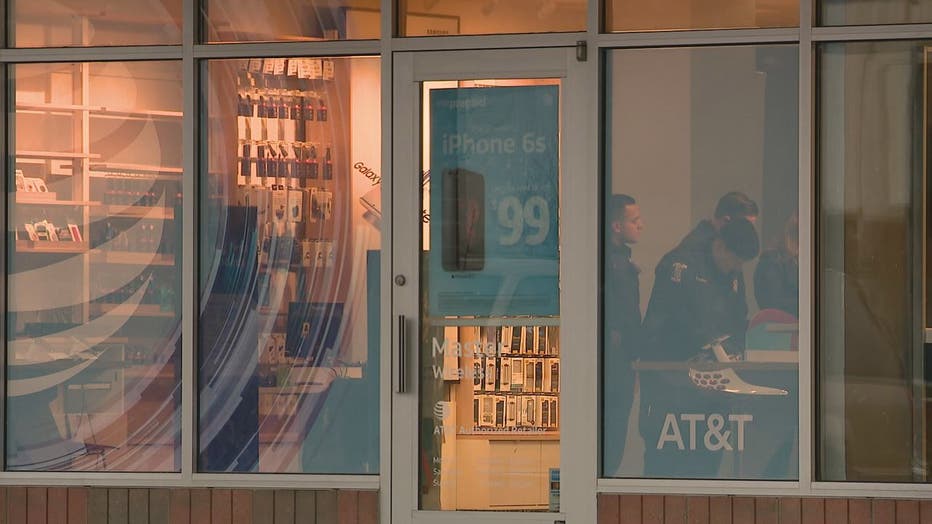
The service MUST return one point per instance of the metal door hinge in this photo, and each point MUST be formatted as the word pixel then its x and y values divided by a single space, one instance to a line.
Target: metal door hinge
pixel 582 51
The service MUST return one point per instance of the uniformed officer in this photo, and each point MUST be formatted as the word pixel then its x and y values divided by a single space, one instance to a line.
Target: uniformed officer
pixel 697 298
pixel 622 325
pixel 698 243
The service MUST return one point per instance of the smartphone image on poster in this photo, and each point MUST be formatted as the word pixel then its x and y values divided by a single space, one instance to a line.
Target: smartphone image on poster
pixel 463 227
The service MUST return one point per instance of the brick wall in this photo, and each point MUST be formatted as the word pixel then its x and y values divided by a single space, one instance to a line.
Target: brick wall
pixel 659 509
pixel 41 505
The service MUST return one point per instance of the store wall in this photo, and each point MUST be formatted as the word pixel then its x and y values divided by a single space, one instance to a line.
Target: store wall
pixel 657 509
pixel 41 505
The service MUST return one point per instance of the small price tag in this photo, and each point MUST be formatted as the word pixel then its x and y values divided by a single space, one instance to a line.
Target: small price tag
pixel 278 66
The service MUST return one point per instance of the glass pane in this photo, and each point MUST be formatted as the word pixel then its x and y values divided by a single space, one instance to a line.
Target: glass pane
pixel 636 15
pixel 489 423
pixel 79 23
pixel 94 318
pixel 702 178
pixel 866 12
pixel 289 20
pixel 289 244
pixel 489 17
pixel 873 375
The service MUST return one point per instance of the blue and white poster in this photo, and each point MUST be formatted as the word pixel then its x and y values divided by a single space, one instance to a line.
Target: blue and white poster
pixel 494 161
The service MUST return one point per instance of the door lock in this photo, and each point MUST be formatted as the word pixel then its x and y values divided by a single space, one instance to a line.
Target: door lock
pixel 400 280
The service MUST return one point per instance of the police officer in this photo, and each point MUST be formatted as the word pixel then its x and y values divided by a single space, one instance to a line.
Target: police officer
pixel 697 298
pixel 698 243
pixel 622 325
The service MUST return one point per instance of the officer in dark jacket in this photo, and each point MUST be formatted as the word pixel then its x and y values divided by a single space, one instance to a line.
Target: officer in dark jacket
pixel 697 298
pixel 730 206
pixel 622 325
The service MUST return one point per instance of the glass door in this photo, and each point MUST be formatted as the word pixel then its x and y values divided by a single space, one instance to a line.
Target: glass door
pixel 478 383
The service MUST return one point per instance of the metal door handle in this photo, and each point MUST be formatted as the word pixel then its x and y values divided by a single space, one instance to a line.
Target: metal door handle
pixel 401 385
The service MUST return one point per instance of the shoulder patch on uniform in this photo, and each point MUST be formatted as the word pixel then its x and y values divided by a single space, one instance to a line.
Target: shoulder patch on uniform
pixel 678 269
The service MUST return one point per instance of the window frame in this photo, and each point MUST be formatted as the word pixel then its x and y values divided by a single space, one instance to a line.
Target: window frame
pixel 595 44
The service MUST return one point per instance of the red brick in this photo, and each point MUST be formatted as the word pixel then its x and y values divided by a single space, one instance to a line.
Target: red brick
pixel 629 509
pixel 200 506
pixel 720 510
pixel 37 504
pixel 836 511
pixel 765 510
pixel 369 507
pixel 221 506
pixel 674 509
pixel 813 511
pixel 859 511
pixel 241 505
pixel 883 511
pixel 907 512
pixel 790 510
pixel 652 509
pixel 180 506
pixel 58 506
pixel 742 510
pixel 697 510
pixel 16 506
pixel 77 505
pixel 608 509
pixel 925 512
pixel 347 504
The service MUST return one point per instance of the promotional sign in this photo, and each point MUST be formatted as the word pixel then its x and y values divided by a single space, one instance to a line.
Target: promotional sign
pixel 494 159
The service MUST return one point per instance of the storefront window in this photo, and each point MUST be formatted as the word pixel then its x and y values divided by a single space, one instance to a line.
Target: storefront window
pixel 700 279
pixel 73 23
pixel 489 17
pixel 289 20
pixel 846 12
pixel 94 261
pixel 635 15
pixel 873 372
pixel 289 272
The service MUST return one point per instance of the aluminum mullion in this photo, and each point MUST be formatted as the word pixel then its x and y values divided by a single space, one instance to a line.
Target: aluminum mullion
pixel 700 487
pixel 153 480
pixel 189 289
pixel 286 49
pixel 6 101
pixel 386 305
pixel 579 304
pixel 697 38
pixel 453 43
pixel 872 32
pixel 805 209
pixel 92 54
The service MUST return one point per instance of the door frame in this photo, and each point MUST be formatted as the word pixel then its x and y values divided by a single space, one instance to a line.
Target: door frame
pixel 579 235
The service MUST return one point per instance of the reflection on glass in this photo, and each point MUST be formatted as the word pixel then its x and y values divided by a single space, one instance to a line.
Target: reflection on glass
pixel 288 20
pixel 288 342
pixel 94 328
pixel 635 15
pixel 489 17
pixel 873 377
pixel 845 12
pixel 490 348
pixel 76 23
pixel 700 342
